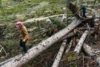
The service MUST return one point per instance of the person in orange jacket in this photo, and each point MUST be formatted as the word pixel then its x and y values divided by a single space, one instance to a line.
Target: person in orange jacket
pixel 24 36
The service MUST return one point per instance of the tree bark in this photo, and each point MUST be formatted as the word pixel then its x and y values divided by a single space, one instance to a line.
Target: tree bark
pixel 59 55
pixel 42 18
pixel 33 52
pixel 98 60
pixel 81 41
pixel 69 35
pixel 69 46
pixel 89 51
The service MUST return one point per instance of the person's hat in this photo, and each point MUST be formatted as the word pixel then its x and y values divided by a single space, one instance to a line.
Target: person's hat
pixel 18 24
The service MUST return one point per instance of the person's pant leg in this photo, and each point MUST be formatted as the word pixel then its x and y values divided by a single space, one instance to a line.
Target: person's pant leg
pixel 20 42
pixel 84 15
pixel 23 45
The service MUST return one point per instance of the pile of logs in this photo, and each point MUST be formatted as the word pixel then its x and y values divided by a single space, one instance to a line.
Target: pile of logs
pixel 75 28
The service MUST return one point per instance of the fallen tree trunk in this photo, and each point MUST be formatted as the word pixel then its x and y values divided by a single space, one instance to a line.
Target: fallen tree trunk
pixel 98 61
pixel 4 62
pixel 42 18
pixel 59 55
pixel 67 36
pixel 81 41
pixel 89 51
pixel 33 52
pixel 69 46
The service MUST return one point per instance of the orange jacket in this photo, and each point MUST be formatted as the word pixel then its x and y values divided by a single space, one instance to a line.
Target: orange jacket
pixel 24 33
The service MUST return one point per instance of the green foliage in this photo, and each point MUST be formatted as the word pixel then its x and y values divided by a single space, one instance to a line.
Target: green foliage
pixel 72 57
pixel 9 12
pixel 58 23
pixel 35 24
pixel 10 44
pixel 30 24
pixel 16 9
pixel 51 9
pixel 12 47
pixel 11 9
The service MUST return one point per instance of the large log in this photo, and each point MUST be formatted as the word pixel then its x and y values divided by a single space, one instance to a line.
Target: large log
pixel 33 52
pixel 42 18
pixel 81 41
pixel 59 55
pixel 89 51
pixel 69 35
pixel 98 60
pixel 66 36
